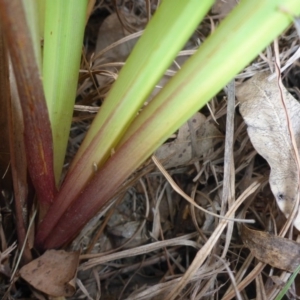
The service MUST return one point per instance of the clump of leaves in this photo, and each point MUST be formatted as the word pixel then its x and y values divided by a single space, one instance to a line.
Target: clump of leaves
pixel 120 139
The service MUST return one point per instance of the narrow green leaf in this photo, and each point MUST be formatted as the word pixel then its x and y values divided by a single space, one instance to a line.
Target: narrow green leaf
pixel 63 40
pixel 244 33
pixel 288 284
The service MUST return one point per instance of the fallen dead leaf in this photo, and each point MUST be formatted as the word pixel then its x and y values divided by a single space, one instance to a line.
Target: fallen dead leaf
pixel 53 273
pixel 223 7
pixel 273 250
pixel 268 128
pixel 180 151
pixel 110 32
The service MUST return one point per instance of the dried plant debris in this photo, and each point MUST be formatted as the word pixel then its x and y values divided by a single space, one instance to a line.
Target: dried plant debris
pixel 223 7
pixel 125 228
pixel 194 139
pixel 262 108
pixel 110 32
pixel 53 273
pixel 113 30
pixel 4 256
pixel 276 251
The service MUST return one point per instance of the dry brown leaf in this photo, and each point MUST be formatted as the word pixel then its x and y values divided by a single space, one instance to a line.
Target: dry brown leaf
pixel 223 7
pixel 179 152
pixel 111 31
pixel 262 109
pixel 276 251
pixel 53 273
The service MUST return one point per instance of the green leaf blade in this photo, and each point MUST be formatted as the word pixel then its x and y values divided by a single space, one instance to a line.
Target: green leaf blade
pixel 288 284
pixel 64 29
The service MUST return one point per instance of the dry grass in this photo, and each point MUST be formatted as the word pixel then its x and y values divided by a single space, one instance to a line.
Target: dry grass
pixel 152 242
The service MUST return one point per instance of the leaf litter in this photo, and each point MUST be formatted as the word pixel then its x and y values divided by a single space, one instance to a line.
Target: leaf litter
pixel 180 151
pixel 152 243
pixel 262 109
pixel 53 273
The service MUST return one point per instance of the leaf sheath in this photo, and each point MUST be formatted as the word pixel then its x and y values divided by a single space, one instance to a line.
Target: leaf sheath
pixel 37 132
